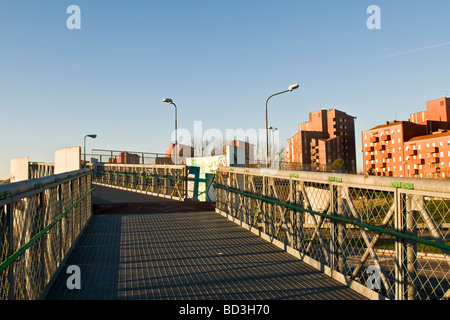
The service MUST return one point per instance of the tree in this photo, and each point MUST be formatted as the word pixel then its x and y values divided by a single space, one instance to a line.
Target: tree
pixel 370 172
pixel 338 165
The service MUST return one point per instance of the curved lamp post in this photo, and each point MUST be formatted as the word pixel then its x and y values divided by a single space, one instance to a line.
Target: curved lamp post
pixel 291 87
pixel 169 101
pixel 93 136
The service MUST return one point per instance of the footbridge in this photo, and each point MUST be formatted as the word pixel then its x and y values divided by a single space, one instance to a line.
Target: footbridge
pixel 115 231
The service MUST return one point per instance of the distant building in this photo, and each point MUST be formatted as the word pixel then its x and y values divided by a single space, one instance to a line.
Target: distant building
pixel 239 152
pixel 326 137
pixel 128 158
pixel 184 151
pixel 417 148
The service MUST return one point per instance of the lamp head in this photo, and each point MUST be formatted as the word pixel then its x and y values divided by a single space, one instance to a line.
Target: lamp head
pixel 293 86
pixel 168 100
pixel 92 136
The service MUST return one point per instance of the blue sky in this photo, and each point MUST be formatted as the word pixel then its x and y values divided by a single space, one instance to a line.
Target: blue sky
pixel 219 61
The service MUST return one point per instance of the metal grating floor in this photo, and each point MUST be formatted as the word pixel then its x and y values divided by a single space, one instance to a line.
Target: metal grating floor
pixel 187 256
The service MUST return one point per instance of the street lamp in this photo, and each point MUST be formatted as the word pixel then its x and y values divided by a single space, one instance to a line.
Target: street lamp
pixel 169 101
pixel 93 136
pixel 291 88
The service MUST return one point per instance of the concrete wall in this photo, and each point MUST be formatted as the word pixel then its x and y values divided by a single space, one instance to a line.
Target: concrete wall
pixel 18 169
pixel 67 159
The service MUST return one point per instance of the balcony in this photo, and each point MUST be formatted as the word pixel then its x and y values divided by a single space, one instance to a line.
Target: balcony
pixel 419 161
pixel 374 139
pixel 414 171
pixel 385 137
pixel 411 153
pixel 370 157
pixel 380 165
pixel 433 160
pixel 369 149
pixel 380 147
pixel 433 149
pixel 386 155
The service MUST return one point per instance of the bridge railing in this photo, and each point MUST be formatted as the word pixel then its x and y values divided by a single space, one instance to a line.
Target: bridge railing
pixel 40 169
pixel 40 219
pixel 169 181
pixel 387 238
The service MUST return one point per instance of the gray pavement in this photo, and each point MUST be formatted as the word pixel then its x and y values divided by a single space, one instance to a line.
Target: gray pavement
pixel 186 256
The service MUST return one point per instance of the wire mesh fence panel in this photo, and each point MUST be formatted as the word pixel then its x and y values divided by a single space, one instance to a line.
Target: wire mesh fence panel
pixel 37 228
pixel 426 268
pixel 392 241
pixel 161 180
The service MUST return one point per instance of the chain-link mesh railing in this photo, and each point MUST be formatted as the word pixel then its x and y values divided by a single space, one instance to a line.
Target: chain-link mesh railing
pixel 39 221
pixel 169 181
pixel 387 237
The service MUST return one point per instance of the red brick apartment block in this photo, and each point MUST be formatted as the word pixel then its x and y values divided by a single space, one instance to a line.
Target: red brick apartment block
pixel 418 148
pixel 128 158
pixel 327 136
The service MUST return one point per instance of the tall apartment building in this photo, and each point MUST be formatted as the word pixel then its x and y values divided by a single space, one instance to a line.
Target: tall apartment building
pixel 418 148
pixel 326 137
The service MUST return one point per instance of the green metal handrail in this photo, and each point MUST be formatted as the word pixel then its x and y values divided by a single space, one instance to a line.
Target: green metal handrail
pixel 394 233
pixel 20 251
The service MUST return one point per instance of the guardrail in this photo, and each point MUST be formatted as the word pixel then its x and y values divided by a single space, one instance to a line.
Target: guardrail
pixel 387 238
pixel 40 169
pixel 168 181
pixel 40 219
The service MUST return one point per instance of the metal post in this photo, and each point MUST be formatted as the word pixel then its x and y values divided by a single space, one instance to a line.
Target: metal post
pixel 176 135
pixel 11 276
pixel 43 239
pixel 411 249
pixel 399 248
pixel 267 126
pixel 341 231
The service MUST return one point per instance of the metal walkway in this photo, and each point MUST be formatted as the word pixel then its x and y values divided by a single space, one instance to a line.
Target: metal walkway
pixel 166 250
